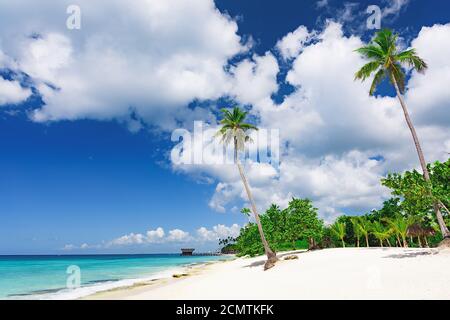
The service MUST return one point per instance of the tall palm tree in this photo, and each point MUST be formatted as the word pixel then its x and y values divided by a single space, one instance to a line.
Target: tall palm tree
pixel 235 130
pixel 338 229
pixel 356 229
pixel 386 62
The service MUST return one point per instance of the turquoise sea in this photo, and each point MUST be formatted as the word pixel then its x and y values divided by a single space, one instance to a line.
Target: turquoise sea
pixel 46 277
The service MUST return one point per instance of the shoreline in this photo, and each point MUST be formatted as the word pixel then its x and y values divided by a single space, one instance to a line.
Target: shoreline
pixel 339 273
pixel 142 285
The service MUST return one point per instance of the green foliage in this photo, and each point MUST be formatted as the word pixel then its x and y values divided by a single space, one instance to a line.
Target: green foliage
pixel 338 229
pixel 288 229
pixel 417 194
pixel 298 224
pixel 385 61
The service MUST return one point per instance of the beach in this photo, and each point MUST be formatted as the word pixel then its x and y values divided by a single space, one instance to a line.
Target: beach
pixel 340 273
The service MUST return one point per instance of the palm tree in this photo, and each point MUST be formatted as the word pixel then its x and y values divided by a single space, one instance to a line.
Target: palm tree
pixel 386 62
pixel 356 229
pixel 235 130
pixel 400 226
pixel 338 229
pixel 381 232
pixel 364 227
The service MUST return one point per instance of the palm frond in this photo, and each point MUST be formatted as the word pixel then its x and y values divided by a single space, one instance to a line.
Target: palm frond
pixel 367 70
pixel 371 52
pixel 411 58
pixel 379 76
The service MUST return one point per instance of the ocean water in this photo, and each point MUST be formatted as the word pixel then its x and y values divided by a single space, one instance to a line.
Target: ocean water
pixel 46 277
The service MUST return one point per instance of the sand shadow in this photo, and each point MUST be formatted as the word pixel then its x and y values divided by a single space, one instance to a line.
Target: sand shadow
pixel 410 254
pixel 279 256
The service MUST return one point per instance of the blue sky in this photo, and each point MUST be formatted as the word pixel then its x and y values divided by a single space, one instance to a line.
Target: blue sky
pixel 70 177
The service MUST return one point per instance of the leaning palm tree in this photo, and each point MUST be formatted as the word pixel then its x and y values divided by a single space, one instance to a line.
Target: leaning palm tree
pixel 386 62
pixel 235 130
pixel 338 228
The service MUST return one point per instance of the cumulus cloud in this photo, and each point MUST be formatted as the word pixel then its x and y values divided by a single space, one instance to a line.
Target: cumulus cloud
pixel 11 92
pixel 219 231
pixel 178 235
pixel 159 237
pixel 158 60
pixel 337 140
pixel 155 235
pixel 291 44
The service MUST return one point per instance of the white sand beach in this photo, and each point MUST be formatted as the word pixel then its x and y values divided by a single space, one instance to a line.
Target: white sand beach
pixel 343 273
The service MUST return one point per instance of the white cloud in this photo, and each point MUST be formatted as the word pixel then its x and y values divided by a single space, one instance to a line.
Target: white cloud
pixel 151 63
pixel 11 92
pixel 159 237
pixel 321 3
pixel 394 7
pixel 155 235
pixel 292 44
pixel 255 80
pixel 219 231
pixel 177 235
pixel 428 95
pixel 129 239
pixel 69 247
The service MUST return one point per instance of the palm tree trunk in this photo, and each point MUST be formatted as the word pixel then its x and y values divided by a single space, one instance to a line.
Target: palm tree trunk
pixel 426 241
pixel 367 241
pixel 420 242
pixel 405 243
pixel 388 242
pixel 423 164
pixel 343 243
pixel 271 256
pixel 357 242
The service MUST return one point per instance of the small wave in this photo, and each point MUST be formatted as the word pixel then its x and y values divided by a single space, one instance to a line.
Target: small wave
pixel 95 286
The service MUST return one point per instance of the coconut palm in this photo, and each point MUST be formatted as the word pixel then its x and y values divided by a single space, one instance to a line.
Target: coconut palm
pixel 338 228
pixel 235 130
pixel 364 227
pixel 386 61
pixel 356 229
pixel 400 226
pixel 381 232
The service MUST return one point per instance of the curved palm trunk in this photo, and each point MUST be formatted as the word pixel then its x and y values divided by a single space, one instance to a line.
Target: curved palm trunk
pixel 423 164
pixel 367 241
pixel 271 256
pixel 343 243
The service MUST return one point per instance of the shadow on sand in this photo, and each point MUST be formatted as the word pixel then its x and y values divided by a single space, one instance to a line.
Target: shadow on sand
pixel 411 254
pixel 279 256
